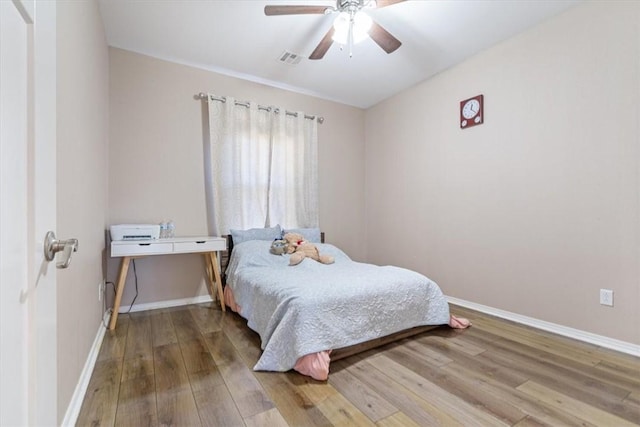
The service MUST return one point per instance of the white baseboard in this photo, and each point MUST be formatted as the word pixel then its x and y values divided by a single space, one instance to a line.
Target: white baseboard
pixel 165 304
pixel 73 410
pixel 599 340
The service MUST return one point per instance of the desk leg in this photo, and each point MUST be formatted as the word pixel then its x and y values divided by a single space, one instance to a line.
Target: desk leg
pixel 122 278
pixel 210 277
pixel 212 262
pixel 216 272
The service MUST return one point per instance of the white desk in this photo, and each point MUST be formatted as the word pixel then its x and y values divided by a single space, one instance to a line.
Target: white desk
pixel 129 249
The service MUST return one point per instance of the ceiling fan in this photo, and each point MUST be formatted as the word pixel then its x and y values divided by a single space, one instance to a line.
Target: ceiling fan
pixel 350 26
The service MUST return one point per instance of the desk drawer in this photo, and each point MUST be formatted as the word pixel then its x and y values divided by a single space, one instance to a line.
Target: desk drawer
pixel 200 246
pixel 140 248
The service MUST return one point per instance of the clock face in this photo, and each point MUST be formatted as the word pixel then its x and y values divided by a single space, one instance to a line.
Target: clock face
pixel 471 109
pixel 472 112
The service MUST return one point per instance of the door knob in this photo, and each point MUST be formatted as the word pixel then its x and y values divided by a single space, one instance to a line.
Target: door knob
pixel 52 246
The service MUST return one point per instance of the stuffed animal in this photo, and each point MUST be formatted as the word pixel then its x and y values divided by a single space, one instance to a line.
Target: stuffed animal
pixel 279 247
pixel 301 249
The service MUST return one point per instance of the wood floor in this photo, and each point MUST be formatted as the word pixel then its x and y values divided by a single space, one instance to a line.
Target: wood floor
pixel 191 366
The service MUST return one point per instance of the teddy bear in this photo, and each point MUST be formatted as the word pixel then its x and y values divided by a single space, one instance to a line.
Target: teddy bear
pixel 301 249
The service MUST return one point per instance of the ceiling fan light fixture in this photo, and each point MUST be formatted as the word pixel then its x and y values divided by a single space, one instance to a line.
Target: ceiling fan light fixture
pixel 359 26
pixel 350 25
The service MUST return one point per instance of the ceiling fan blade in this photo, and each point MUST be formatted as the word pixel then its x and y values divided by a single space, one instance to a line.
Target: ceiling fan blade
pixel 294 10
pixel 383 38
pixel 323 46
pixel 385 3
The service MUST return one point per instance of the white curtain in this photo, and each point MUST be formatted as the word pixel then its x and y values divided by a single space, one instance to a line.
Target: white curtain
pixel 261 167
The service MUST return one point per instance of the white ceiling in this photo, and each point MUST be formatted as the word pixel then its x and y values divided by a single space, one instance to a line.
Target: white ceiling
pixel 234 37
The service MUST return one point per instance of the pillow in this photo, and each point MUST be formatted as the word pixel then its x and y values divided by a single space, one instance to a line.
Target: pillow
pixel 311 235
pixel 269 234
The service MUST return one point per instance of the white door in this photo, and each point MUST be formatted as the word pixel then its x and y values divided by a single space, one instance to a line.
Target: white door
pixel 28 380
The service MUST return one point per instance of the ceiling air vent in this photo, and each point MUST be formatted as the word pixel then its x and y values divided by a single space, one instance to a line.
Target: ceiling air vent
pixel 289 58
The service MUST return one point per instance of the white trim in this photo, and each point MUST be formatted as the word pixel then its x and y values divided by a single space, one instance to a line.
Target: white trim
pixel 165 304
pixel 73 410
pixel 600 340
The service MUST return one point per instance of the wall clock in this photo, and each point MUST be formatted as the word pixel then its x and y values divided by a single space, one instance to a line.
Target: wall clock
pixel 472 112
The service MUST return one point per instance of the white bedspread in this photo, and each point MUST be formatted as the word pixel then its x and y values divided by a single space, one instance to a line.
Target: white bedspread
pixel 311 307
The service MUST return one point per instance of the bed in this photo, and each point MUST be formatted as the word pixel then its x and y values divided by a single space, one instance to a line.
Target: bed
pixel 311 313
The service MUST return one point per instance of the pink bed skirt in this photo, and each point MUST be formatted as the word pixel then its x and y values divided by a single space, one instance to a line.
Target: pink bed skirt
pixel 316 365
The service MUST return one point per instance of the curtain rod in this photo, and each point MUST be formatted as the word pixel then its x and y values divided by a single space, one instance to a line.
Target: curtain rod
pixel 204 96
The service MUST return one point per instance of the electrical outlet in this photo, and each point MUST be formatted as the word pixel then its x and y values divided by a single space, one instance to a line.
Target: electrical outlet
pixel 101 287
pixel 606 297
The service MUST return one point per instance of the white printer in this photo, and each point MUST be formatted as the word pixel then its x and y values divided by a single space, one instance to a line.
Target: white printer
pixel 135 232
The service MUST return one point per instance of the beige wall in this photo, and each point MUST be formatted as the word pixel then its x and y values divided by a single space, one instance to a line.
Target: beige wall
pixel 82 129
pixel 537 209
pixel 156 164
